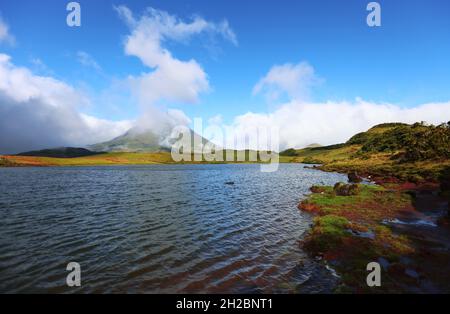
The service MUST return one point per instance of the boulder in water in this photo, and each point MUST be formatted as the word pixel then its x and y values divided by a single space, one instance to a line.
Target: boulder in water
pixel 353 177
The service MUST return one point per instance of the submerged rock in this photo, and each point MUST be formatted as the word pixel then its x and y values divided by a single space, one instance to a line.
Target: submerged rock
pixel 311 167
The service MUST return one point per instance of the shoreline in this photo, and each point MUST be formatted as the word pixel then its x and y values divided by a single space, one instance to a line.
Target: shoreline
pixel 387 222
pixel 403 226
pixel 113 159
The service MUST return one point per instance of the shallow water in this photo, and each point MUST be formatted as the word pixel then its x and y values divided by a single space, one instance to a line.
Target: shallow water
pixel 158 229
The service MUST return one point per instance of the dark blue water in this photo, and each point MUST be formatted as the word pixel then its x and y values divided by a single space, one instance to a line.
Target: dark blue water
pixel 158 229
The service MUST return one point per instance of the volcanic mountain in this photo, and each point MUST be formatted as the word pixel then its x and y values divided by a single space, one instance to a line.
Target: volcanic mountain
pixel 136 140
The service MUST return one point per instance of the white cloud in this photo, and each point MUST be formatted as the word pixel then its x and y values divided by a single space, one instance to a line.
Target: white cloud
pixel 161 122
pixel 171 79
pixel 102 129
pixel 39 112
pixel 87 60
pixel 303 123
pixel 176 81
pixel 294 80
pixel 5 35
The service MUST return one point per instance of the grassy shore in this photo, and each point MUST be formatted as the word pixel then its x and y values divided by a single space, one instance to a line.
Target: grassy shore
pixel 109 159
pixel 348 232
pixel 353 223
pixel 95 160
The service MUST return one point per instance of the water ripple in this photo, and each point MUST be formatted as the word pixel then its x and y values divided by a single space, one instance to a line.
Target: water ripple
pixel 157 229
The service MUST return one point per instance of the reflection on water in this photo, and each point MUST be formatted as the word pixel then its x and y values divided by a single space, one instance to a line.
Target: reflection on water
pixel 158 229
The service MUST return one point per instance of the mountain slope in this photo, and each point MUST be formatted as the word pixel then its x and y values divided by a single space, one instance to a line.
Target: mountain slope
pixel 131 141
pixel 135 140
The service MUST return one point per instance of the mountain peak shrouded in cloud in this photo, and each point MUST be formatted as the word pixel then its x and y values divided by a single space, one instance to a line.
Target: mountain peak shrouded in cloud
pixel 168 79
pixel 40 111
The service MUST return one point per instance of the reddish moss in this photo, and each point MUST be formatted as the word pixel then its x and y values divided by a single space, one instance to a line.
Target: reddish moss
pixel 348 232
pixel 308 207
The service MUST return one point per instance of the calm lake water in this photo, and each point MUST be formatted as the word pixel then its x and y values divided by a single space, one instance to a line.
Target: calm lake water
pixel 158 229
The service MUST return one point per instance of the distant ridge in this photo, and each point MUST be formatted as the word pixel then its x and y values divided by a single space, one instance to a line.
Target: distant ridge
pixel 313 145
pixel 60 152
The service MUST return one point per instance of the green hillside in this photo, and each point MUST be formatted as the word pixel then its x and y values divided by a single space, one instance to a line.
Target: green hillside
pixel 61 152
pixel 409 152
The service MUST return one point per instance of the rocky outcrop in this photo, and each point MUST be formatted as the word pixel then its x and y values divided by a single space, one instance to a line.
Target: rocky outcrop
pixel 317 189
pixel 353 177
pixel 342 189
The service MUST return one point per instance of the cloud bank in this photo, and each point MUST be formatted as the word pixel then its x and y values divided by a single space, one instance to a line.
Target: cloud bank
pixel 39 112
pixel 170 79
pixel 301 124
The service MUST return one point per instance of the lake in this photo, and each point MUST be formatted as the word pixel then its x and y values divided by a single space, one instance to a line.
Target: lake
pixel 158 229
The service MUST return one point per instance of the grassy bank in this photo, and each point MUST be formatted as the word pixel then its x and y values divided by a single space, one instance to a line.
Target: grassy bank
pixel 351 222
pixel 387 152
pixel 348 232
pixel 101 159
pixel 110 159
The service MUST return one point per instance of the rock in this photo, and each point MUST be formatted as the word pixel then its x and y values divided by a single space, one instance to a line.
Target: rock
pixel 317 189
pixel 354 178
pixel 342 189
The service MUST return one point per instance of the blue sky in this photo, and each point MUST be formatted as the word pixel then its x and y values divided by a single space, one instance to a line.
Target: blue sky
pixel 404 62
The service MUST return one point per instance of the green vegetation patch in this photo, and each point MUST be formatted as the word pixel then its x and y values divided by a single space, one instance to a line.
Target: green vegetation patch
pixel 348 232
